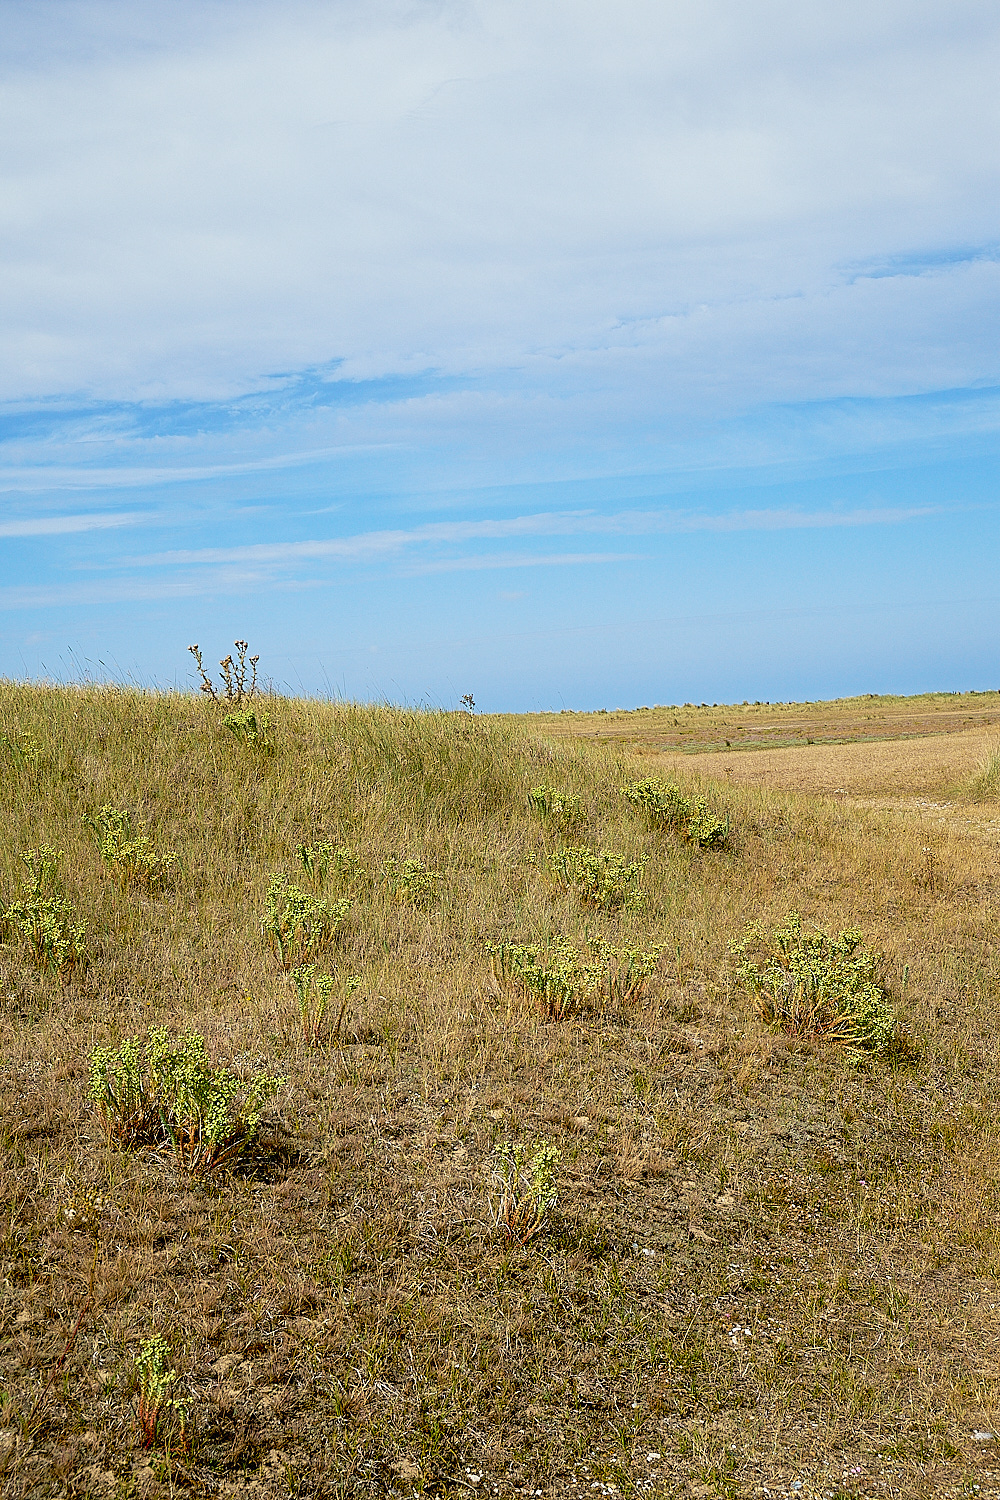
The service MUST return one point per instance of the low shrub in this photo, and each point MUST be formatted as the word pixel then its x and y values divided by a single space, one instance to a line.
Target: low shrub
pixel 314 992
pixel 42 865
pixel 557 810
pixel 624 971
pixel 43 918
pixel 410 880
pixel 250 728
pixel 159 1409
pixel 321 861
pixel 553 974
pixel 667 807
pixel 130 856
pixel 299 925
pixel 564 981
pixel 165 1094
pixel 816 985
pixel 124 1091
pixel 599 878
pixel 22 750
pixel 525 1189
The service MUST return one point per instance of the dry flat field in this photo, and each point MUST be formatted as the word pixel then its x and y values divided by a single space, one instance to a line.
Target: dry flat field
pixel 771 1265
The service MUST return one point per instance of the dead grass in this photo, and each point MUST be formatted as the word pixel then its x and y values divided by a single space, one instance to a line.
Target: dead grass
pixel 888 768
pixel 769 1267
pixel 694 728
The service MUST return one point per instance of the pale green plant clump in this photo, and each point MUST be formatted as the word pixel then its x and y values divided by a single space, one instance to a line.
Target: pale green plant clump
pixel 564 981
pixel 299 925
pixel 321 861
pixel 624 971
pixel 410 880
pixel 165 1093
pixel 250 728
pixel 121 1086
pixel 600 878
pixel 526 1190
pixel 158 1407
pixel 557 809
pixel 132 857
pixel 43 918
pixel 553 974
pixel 42 865
pixel 314 992
pixel 22 750
pixel 667 807
pixel 814 984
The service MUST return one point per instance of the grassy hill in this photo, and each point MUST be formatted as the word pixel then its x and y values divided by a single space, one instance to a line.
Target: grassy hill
pixel 771 1255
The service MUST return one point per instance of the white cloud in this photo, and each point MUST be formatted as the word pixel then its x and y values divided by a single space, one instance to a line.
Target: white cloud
pixel 68 525
pixel 377 544
pixel 662 199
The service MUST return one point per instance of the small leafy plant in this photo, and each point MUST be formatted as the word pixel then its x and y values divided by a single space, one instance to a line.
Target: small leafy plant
pixel 554 974
pixel 812 984
pixel 299 925
pixel 44 919
pixel 158 1407
pixel 566 982
pixel 250 728
pixel 166 1094
pixel 22 750
pixel 525 1189
pixel 42 865
pixel 121 1086
pixel 624 971
pixel 235 689
pixel 410 880
pixel 557 809
pixel 132 857
pixel 599 878
pixel 314 992
pixel 667 807
pixel 321 861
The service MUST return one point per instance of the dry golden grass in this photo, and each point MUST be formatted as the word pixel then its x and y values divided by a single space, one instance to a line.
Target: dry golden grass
pixel 753 726
pixel 903 768
pixel 770 1268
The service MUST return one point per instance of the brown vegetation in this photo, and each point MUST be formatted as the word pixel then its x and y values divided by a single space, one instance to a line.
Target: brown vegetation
pixel 771 1263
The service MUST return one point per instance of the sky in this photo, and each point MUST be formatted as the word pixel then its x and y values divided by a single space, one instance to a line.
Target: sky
pixel 568 354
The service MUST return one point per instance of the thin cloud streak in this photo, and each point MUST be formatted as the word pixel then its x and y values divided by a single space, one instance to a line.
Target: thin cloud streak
pixel 498 560
pixel 68 525
pixel 136 591
pixel 31 479
pixel 371 544
pixel 237 581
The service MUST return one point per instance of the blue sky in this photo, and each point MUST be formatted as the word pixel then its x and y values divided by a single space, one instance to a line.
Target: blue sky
pixel 568 354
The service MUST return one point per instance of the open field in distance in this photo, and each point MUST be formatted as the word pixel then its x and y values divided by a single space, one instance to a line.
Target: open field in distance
pixel 696 728
pixel 771 1268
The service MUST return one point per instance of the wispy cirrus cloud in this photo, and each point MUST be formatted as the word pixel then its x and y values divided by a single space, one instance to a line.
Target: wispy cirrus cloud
pixel 43 477
pixel 71 525
pixel 368 545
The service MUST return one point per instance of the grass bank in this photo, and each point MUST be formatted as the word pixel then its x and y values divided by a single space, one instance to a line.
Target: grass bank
pixel 771 1262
